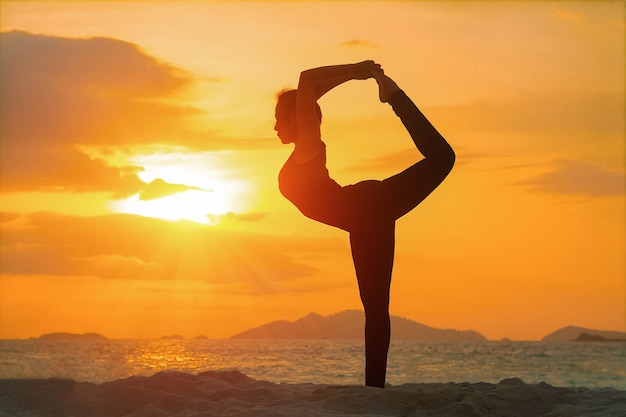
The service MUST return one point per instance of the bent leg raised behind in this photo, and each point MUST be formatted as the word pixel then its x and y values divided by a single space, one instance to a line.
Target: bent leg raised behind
pixel 407 189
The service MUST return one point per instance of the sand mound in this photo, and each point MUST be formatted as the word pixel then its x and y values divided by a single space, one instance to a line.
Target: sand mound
pixel 235 394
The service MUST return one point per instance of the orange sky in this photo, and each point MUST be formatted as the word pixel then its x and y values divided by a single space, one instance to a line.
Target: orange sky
pixel 116 116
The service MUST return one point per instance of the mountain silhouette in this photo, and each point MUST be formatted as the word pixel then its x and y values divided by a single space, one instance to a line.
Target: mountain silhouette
pixel 570 333
pixel 349 324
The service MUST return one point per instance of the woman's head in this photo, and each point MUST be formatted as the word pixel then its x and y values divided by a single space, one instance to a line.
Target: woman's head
pixel 285 114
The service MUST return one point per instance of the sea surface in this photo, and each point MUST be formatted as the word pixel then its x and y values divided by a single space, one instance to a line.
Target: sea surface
pixel 573 364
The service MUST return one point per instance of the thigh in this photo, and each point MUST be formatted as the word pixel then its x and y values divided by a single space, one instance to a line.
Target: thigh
pixel 404 191
pixel 366 205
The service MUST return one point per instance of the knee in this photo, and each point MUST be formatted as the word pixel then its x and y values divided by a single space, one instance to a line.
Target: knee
pixel 378 311
pixel 446 161
pixel 375 300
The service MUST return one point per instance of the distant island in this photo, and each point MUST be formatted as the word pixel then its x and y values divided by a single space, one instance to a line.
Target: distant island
pixel 586 337
pixel 72 336
pixel 581 334
pixel 172 337
pixel 349 325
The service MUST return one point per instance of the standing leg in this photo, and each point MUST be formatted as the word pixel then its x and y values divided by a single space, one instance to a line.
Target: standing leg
pixel 372 253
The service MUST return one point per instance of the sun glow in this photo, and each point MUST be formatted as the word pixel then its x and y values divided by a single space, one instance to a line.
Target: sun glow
pixel 185 186
pixel 198 206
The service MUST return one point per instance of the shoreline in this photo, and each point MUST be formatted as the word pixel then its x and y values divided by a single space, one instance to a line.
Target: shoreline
pixel 232 393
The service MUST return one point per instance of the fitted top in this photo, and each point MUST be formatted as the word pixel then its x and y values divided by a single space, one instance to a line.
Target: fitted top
pixel 309 187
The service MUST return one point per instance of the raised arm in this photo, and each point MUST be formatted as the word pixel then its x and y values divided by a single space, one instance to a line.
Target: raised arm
pixel 313 84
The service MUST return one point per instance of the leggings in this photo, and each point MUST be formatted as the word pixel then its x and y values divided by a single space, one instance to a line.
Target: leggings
pixel 374 208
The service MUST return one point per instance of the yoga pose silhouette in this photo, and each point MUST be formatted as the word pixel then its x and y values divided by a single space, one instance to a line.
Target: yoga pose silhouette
pixel 367 210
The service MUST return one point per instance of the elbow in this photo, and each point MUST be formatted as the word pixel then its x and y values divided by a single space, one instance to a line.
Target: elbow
pixel 306 78
pixel 309 80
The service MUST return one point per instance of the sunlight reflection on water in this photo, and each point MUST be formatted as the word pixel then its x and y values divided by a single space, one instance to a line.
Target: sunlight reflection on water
pixel 320 361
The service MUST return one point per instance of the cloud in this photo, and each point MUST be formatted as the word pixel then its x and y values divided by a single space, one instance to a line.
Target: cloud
pixel 558 114
pixel 569 15
pixel 59 94
pixel 359 43
pixel 132 247
pixel 159 188
pixel 574 177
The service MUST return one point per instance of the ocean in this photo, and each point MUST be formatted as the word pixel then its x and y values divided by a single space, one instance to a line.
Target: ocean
pixel 572 364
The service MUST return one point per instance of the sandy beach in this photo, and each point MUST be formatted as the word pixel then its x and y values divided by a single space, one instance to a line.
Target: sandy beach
pixel 231 393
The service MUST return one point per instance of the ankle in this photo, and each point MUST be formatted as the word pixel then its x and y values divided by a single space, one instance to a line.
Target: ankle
pixel 386 87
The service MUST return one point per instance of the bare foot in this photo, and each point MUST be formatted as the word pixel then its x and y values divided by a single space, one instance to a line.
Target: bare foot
pixel 386 86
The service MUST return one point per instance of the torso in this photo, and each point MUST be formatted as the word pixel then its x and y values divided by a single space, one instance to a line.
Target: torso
pixel 309 187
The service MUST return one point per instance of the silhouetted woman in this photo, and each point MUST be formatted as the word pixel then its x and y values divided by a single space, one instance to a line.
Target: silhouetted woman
pixel 367 210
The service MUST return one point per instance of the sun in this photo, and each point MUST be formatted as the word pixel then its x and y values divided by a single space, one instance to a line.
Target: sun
pixel 199 206
pixel 203 188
